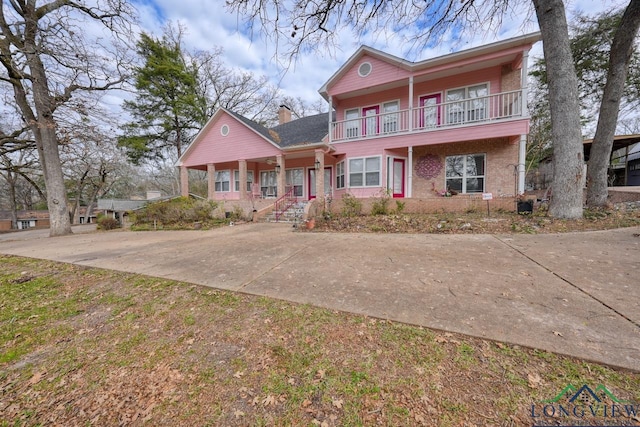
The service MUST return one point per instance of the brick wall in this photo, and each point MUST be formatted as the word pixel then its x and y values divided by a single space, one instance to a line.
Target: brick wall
pixel 501 158
pixel 510 78
pixel 459 203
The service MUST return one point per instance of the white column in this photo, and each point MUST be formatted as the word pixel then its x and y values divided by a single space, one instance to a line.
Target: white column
pixel 330 117
pixel 522 158
pixel 411 103
pixel 525 82
pixel 410 173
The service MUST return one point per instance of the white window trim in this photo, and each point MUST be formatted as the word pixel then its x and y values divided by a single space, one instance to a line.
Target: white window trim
pixel 221 182
pixel 344 175
pixel 364 172
pixel 384 115
pixel 303 179
pixel 448 103
pixel 464 176
pixel 370 69
pixel 224 130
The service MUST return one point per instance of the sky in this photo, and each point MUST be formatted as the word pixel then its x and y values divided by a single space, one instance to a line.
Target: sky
pixel 209 24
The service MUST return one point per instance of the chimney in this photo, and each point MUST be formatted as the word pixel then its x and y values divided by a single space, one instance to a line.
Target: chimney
pixel 284 114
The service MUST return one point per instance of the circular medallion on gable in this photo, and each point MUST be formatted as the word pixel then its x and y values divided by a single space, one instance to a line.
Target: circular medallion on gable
pixel 224 130
pixel 364 69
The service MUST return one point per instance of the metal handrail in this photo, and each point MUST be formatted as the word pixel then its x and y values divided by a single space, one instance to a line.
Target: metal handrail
pixel 284 203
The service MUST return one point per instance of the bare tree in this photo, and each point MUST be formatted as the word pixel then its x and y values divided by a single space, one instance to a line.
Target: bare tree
pixel 236 90
pixel 50 50
pixel 17 170
pixel 314 25
pixel 91 160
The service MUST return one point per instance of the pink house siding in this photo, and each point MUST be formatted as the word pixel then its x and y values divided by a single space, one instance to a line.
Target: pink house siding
pixel 381 73
pixel 241 142
pixel 492 126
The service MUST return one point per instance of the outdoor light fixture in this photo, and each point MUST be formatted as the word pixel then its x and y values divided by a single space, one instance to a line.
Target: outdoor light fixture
pixel 277 168
pixel 317 165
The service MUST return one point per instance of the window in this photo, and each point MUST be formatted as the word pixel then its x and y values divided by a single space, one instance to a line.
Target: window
pixel 340 175
pixel 295 178
pixel 236 180
pixel 364 172
pixel 390 116
pixel 224 130
pixel 223 180
pixel 353 123
pixel 468 104
pixel 364 69
pixel 465 174
pixel 268 184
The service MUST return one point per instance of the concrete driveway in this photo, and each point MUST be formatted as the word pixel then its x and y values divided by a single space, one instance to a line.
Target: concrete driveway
pixel 576 293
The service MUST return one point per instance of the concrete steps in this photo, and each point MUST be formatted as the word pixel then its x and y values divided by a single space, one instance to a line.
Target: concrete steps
pixel 291 215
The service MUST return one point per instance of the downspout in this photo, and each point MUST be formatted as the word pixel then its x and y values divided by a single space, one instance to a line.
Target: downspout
pixel 522 158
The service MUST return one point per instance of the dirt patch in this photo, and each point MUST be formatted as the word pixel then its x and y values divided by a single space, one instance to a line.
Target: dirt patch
pixel 478 222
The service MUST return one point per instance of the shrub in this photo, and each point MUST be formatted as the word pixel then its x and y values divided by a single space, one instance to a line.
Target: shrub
pixel 175 212
pixel 400 206
pixel 351 205
pixel 380 206
pixel 107 223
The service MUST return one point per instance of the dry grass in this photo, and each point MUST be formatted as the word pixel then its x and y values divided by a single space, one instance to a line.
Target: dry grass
pixel 84 346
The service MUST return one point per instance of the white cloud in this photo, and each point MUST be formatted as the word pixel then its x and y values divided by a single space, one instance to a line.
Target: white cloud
pixel 210 24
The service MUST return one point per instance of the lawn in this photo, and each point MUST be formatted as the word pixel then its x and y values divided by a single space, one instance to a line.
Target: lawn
pixel 84 346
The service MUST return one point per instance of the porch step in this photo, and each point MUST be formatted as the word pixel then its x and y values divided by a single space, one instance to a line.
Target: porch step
pixel 291 215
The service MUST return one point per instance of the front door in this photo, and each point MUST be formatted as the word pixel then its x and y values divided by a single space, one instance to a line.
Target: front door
pixel 371 124
pixel 312 182
pixel 430 110
pixel 397 177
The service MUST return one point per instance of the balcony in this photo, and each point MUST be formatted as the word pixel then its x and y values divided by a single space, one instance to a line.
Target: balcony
pixel 479 110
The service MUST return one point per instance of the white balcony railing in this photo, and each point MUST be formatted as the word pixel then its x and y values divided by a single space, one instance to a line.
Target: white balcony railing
pixel 444 115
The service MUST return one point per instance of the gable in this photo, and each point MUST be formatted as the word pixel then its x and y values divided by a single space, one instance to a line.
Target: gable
pixel 241 142
pixel 382 72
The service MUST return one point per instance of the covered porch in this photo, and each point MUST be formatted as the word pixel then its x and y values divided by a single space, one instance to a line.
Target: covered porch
pixel 294 172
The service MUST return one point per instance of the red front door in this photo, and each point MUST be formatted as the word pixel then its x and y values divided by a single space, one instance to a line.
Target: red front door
pixel 397 177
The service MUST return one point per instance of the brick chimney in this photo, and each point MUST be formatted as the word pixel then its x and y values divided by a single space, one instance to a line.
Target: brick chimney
pixel 284 114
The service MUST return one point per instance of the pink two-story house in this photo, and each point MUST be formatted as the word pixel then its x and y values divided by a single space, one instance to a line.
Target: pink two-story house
pixel 453 125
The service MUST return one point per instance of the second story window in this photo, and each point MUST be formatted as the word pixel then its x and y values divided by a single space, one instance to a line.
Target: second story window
pixel 467 104
pixel 353 123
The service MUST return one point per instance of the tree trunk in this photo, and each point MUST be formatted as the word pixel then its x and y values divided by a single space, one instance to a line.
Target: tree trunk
pixel 619 58
pixel 566 130
pixel 44 129
pixel 54 182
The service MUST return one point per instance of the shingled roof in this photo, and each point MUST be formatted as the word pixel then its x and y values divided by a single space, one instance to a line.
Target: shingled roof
pixel 306 130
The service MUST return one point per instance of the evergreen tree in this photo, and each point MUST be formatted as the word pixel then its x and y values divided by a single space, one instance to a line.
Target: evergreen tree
pixel 167 109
